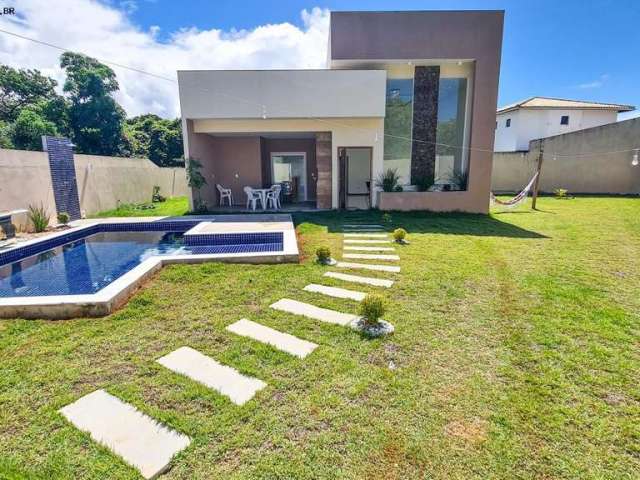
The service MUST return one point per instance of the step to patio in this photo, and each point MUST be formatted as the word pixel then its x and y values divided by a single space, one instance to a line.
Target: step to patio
pixel 376 282
pixel 282 341
pixel 369 242
pixel 369 249
pixel 361 225
pixel 365 235
pixel 371 256
pixel 138 439
pixel 368 266
pixel 205 370
pixel 335 292
pixel 311 311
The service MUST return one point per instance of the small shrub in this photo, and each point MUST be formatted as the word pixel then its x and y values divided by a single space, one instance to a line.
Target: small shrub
pixel 388 180
pixel 399 234
pixel 39 217
pixel 323 254
pixel 156 197
pixel 63 218
pixel 424 183
pixel 372 308
pixel 561 193
pixel 398 188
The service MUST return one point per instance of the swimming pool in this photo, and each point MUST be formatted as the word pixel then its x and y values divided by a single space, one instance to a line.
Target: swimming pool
pixel 93 269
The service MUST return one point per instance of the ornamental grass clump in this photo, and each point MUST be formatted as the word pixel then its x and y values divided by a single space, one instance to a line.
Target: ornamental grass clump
pixel 399 235
pixel 324 255
pixel 39 217
pixel 371 309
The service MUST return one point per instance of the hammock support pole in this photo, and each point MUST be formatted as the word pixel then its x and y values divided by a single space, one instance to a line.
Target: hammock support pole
pixel 536 184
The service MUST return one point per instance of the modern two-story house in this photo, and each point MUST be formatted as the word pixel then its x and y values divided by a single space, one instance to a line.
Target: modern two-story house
pixel 411 91
pixel 540 117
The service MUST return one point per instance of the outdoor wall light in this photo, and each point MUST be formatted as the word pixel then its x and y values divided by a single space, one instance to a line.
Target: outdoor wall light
pixel 634 161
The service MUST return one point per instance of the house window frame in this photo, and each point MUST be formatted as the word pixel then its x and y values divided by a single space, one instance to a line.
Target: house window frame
pixel 507 123
pixel 562 120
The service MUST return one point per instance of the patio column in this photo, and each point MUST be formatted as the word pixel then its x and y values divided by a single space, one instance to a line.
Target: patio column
pixel 323 165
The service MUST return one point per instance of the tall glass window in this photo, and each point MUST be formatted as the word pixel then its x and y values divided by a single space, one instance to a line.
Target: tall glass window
pixel 451 160
pixel 397 127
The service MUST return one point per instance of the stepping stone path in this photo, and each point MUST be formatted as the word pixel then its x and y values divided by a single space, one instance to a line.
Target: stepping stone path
pixel 368 266
pixel 370 256
pixel 376 282
pixel 311 311
pixel 205 370
pixel 366 235
pixel 335 292
pixel 140 440
pixel 346 240
pixel 282 341
pixel 369 249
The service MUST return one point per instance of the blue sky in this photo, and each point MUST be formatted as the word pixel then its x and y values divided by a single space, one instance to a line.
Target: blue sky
pixel 564 48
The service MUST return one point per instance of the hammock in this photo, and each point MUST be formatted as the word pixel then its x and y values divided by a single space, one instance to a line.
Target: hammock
pixel 518 199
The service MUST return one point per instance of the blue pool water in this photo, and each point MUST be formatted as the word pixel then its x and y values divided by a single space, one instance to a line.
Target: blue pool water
pixel 88 264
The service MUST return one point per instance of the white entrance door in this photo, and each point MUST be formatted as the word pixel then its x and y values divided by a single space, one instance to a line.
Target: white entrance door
pixel 291 167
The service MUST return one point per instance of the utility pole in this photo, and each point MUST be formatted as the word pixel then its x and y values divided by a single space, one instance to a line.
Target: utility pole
pixel 536 184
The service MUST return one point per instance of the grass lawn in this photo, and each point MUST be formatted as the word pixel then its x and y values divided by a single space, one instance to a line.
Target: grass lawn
pixel 170 207
pixel 516 355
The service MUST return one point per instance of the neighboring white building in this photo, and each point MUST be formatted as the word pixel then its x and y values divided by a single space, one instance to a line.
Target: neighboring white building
pixel 540 117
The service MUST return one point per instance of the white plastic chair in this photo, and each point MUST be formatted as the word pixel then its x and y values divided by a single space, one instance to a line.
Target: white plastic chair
pixel 273 196
pixel 225 193
pixel 252 197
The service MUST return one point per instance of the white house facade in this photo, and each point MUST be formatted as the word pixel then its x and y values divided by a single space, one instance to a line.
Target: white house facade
pixel 541 117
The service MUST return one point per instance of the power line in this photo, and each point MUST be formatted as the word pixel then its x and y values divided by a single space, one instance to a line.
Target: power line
pixel 264 107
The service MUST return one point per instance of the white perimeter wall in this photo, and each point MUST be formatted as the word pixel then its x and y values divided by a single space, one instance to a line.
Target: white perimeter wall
pixel 25 179
pixel 531 124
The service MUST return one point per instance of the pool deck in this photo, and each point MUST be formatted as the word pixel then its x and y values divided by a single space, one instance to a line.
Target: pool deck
pixel 118 292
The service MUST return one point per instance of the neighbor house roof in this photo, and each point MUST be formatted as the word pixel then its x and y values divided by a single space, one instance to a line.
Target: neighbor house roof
pixel 547 102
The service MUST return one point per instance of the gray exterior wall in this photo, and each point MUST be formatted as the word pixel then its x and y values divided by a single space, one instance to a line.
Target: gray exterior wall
pixel 598 174
pixel 284 93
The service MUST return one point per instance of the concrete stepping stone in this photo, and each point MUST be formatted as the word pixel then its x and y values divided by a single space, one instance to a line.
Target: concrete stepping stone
pixel 371 256
pixel 369 249
pixel 376 282
pixel 205 370
pixel 368 266
pixel 282 341
pixel 140 440
pixel 311 311
pixel 335 292
pixel 346 240
pixel 365 235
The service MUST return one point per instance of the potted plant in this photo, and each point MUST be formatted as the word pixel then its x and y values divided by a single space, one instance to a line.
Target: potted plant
pixel 63 219
pixel 323 255
pixel 399 235
pixel 370 322
pixel 39 217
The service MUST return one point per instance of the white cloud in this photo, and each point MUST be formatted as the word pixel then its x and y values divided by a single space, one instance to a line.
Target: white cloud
pixel 595 83
pixel 105 32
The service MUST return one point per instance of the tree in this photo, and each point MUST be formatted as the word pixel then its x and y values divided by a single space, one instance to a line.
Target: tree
pixel 95 118
pixel 21 88
pixel 155 138
pixel 28 129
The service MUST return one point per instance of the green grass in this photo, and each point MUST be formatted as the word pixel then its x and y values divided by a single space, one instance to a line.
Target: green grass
pixel 516 355
pixel 173 206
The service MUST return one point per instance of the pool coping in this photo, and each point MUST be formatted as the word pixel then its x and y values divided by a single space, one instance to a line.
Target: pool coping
pixel 116 294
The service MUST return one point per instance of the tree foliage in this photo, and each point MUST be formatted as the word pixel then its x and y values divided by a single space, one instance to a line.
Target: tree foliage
pixel 86 112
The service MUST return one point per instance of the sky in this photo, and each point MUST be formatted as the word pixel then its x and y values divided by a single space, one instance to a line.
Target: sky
pixel 577 49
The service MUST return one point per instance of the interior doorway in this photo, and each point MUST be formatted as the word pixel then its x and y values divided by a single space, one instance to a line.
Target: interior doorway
pixel 291 167
pixel 355 177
